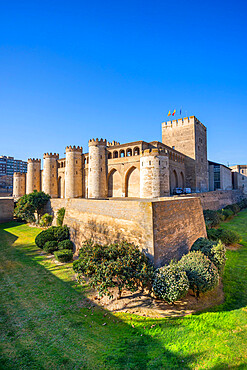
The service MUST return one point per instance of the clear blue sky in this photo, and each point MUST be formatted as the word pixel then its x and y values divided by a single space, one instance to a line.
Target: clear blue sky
pixel 74 70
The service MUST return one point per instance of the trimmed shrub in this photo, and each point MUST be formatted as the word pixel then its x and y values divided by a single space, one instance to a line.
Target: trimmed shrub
pixel 65 255
pixel 227 213
pixel 60 216
pixel 57 233
pixel 227 237
pixel 242 204
pixel 65 244
pixel 61 233
pixel 170 283
pixel 215 251
pixel 212 218
pixel 201 272
pixel 233 207
pixel 45 236
pixel 107 266
pixel 51 246
pixel 46 220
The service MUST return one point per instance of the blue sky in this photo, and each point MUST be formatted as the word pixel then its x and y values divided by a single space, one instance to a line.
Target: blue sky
pixel 74 70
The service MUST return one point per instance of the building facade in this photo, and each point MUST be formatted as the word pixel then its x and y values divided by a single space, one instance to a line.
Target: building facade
pixel 9 165
pixel 132 170
pixel 239 177
pixel 220 176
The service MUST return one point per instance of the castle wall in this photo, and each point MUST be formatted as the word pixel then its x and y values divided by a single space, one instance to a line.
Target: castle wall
pixel 6 209
pixel 177 224
pixel 162 229
pixel 218 199
pixel 123 179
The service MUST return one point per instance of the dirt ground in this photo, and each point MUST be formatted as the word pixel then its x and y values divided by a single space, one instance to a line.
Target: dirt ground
pixel 145 305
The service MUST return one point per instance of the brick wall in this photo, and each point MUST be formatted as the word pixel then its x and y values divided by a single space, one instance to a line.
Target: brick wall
pixel 6 209
pixel 178 223
pixel 218 199
pixel 163 229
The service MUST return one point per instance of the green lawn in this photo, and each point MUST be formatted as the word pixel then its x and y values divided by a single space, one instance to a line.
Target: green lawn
pixel 45 322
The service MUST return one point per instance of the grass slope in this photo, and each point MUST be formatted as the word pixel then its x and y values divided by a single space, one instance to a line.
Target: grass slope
pixel 45 322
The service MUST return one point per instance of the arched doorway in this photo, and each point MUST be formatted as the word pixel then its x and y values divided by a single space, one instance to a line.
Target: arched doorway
pixel 132 183
pixel 114 184
pixel 181 180
pixel 174 181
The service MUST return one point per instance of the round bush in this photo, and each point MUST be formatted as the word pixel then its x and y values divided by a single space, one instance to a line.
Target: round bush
pixel 65 244
pixel 170 283
pixel 229 237
pixel 201 272
pixel 243 203
pixel 51 246
pixel 212 218
pixel 45 236
pixel 64 255
pixel 215 251
pixel 234 208
pixel 227 213
pixel 61 233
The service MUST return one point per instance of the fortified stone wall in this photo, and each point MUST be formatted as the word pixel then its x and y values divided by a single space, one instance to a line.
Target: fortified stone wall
pixel 177 224
pixel 164 229
pixel 6 209
pixel 219 199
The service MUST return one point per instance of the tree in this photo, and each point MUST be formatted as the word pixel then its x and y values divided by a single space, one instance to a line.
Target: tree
pixel 29 204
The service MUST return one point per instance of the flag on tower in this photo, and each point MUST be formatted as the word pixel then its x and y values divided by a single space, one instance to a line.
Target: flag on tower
pixel 174 112
pixel 169 113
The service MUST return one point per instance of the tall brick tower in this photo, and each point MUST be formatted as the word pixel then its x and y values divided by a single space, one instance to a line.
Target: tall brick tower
pixel 19 184
pixel 50 178
pixel 154 174
pixel 73 172
pixel 189 136
pixel 97 169
pixel 33 181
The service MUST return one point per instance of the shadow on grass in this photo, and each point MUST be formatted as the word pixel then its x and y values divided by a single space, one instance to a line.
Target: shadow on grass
pixel 49 323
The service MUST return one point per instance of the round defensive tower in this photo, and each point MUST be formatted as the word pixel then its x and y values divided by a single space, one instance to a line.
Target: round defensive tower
pixel 49 176
pixel 154 174
pixel 33 175
pixel 73 172
pixel 19 184
pixel 97 169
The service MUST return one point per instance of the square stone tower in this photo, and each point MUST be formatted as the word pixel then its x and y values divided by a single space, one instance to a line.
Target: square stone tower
pixel 189 136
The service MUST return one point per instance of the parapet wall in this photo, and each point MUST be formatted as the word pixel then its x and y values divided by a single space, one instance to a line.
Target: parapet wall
pixel 219 199
pixel 164 230
pixel 6 209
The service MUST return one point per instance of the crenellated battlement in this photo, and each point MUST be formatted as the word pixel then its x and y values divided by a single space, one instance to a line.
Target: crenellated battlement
pixel 34 160
pixel 73 149
pixel 51 155
pixel 19 174
pixel 182 122
pixel 154 152
pixel 113 143
pixel 96 142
